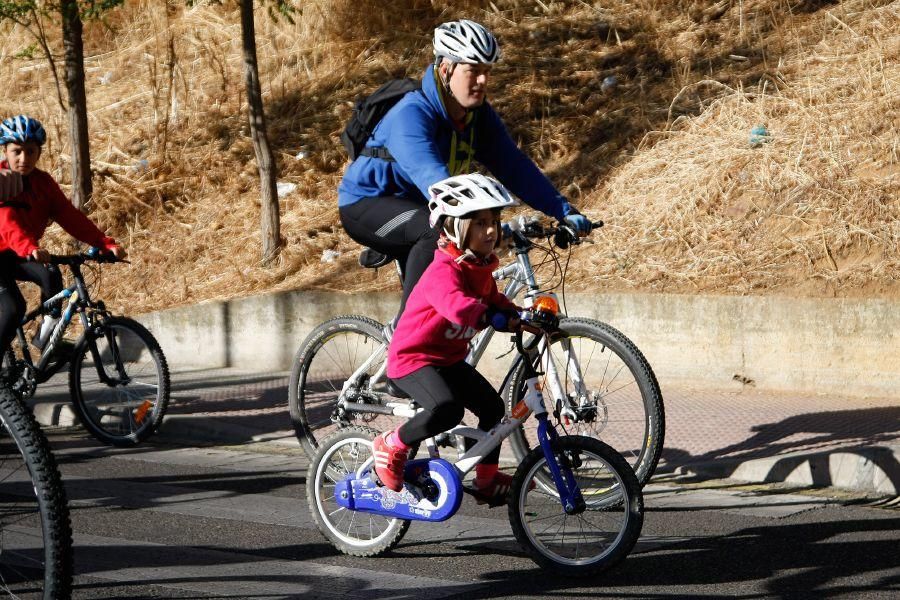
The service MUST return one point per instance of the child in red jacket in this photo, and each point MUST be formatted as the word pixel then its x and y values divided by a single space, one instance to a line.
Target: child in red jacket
pixel 455 298
pixel 23 220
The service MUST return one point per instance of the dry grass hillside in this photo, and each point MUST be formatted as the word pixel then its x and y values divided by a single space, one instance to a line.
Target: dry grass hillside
pixel 664 157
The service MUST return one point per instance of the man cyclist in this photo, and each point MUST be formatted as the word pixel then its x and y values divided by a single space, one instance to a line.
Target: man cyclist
pixel 429 135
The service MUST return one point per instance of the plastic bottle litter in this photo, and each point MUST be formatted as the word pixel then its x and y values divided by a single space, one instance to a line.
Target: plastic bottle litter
pixel 329 256
pixel 284 188
pixel 759 135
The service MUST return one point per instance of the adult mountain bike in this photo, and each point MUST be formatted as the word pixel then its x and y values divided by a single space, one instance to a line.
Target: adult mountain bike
pixel 118 376
pixel 601 386
pixel 575 505
pixel 35 532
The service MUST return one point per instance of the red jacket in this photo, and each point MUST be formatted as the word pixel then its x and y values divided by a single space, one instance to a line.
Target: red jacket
pixel 24 219
pixel 443 312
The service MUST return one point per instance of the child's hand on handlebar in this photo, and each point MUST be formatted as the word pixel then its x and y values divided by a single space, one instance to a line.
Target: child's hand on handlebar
pixel 502 319
pixel 118 251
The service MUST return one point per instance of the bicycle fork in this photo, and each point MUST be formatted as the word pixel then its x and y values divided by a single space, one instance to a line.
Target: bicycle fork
pixel 560 470
pixel 110 335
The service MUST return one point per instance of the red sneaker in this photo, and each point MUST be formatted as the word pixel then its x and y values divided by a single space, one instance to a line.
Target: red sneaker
pixel 494 492
pixel 389 462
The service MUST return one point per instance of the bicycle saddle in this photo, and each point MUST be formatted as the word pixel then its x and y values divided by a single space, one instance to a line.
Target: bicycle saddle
pixel 372 259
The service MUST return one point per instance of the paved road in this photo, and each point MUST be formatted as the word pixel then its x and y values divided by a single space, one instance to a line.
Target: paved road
pixel 214 507
pixel 216 522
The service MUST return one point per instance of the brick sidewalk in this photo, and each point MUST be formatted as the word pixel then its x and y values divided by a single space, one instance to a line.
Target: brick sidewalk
pixel 745 433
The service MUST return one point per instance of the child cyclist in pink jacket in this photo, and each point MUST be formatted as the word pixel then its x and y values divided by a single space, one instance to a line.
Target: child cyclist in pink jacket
pixel 455 298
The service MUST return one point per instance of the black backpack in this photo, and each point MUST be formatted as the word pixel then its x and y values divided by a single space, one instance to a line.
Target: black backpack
pixel 368 112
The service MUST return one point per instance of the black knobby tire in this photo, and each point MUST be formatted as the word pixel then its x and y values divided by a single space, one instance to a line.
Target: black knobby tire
pixel 603 534
pixel 34 515
pixel 326 359
pixel 351 532
pixel 626 405
pixel 120 415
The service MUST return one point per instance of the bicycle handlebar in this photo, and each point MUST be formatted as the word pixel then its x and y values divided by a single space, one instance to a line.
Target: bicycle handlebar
pixel 82 257
pixel 561 233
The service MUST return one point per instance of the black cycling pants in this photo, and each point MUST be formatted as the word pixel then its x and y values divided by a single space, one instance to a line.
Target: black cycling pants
pixel 395 226
pixel 444 393
pixel 12 304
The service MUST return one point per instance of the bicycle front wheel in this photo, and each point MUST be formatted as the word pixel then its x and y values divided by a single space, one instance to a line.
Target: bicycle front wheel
pixel 610 388
pixel 35 533
pixel 595 536
pixel 335 365
pixel 119 382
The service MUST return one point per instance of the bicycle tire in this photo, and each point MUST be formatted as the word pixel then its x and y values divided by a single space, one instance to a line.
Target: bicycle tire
pixel 604 533
pixel 120 415
pixel 327 357
pixel 29 471
pixel 353 446
pixel 626 409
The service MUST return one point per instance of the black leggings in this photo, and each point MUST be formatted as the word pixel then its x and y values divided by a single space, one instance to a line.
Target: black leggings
pixel 445 393
pixel 395 226
pixel 12 304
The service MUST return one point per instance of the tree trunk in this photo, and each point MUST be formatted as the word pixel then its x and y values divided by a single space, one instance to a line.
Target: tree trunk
pixel 269 218
pixel 82 187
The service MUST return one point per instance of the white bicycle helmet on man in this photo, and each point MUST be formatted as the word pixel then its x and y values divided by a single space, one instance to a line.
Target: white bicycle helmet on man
pixel 467 42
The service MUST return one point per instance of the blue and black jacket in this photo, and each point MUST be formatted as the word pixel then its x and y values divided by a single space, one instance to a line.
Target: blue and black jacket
pixel 427 148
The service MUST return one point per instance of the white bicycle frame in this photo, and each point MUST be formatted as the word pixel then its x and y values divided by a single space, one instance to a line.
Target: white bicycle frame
pixel 519 275
pixel 531 403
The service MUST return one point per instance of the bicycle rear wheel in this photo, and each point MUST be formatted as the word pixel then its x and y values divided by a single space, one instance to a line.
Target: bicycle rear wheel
pixel 598 535
pixel 327 359
pixel 351 532
pixel 35 533
pixel 619 402
pixel 121 392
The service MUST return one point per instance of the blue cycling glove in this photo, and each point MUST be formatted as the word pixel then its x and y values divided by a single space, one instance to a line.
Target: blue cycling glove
pixel 498 318
pixel 578 222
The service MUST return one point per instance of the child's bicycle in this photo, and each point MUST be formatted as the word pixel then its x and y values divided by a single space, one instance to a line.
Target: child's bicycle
pixel 598 382
pixel 575 504
pixel 118 376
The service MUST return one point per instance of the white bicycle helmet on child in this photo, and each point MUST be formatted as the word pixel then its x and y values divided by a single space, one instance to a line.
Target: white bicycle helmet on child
pixel 460 196
pixel 466 41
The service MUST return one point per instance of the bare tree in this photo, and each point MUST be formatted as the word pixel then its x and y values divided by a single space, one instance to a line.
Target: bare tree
pixel 82 187
pixel 30 14
pixel 270 223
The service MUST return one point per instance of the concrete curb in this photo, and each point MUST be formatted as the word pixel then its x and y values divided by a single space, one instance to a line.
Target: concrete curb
pixel 840 346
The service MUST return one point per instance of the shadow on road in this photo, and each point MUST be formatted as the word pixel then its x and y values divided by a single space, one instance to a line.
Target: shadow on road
pixel 811 439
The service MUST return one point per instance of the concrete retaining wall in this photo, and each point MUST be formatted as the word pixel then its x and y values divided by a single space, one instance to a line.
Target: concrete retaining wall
pixel 836 346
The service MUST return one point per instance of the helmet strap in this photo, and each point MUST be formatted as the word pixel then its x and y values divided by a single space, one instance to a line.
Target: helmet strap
pixel 445 82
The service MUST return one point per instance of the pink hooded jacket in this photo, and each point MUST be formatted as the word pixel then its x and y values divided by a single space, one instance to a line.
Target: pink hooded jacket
pixel 443 312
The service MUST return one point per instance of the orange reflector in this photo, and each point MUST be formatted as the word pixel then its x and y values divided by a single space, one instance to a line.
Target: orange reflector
pixel 141 413
pixel 519 410
pixel 546 304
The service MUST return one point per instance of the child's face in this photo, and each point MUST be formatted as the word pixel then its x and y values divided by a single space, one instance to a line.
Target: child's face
pixel 484 230
pixel 22 158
